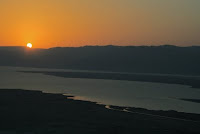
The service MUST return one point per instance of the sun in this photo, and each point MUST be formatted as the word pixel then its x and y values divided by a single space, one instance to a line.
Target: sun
pixel 29 45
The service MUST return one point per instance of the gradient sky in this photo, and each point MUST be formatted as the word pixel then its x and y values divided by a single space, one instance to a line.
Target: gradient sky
pixel 50 23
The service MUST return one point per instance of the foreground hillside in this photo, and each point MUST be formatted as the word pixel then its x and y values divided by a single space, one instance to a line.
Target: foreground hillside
pixel 43 113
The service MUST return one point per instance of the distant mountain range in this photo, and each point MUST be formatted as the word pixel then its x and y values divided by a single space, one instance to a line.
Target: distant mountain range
pixel 166 59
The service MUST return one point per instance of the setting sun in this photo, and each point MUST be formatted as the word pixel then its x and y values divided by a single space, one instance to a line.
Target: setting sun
pixel 29 45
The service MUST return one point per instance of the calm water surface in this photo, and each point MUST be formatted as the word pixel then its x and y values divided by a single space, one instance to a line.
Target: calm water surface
pixel 148 95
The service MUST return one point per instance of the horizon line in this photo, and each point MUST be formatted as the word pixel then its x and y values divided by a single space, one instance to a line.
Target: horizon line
pixel 104 46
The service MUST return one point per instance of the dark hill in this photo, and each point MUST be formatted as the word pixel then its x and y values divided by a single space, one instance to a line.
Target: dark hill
pixel 165 59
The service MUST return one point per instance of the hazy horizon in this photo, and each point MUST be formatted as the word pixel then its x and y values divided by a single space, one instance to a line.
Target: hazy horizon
pixel 106 45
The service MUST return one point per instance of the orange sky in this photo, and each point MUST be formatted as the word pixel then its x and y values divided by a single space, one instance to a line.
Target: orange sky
pixel 51 23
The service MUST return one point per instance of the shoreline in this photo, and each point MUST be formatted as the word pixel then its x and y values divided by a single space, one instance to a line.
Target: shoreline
pixel 38 112
pixel 173 114
pixel 166 79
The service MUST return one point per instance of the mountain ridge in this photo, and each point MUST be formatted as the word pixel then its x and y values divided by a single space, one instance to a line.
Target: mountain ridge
pixel 165 59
